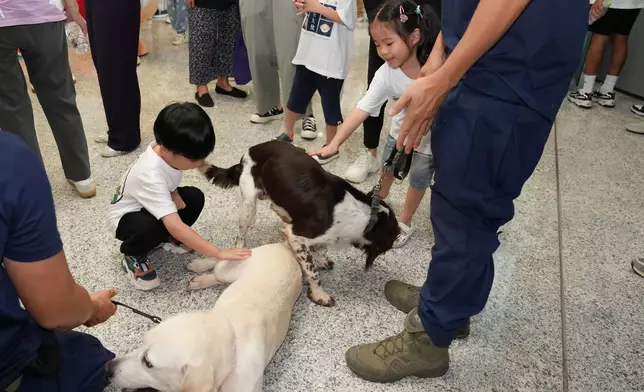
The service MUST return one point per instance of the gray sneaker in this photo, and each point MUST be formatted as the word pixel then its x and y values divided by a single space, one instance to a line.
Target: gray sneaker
pixel 405 297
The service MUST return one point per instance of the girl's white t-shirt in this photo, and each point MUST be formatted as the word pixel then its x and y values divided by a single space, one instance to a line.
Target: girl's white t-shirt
pixel 325 46
pixel 147 184
pixel 624 4
pixel 390 83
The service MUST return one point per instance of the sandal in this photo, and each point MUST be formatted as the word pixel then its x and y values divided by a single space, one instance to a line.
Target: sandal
pixel 403 236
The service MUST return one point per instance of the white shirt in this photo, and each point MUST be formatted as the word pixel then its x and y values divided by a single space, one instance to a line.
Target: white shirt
pixel 146 184
pixel 325 46
pixel 624 4
pixel 390 83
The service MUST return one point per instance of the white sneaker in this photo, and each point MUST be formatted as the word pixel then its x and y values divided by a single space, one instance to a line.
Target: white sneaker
pixel 85 188
pixel 109 152
pixel 309 128
pixel 362 167
pixel 101 139
pixel 403 237
pixel 180 39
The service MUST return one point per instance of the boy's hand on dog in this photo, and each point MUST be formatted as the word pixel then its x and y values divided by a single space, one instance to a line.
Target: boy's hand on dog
pixel 325 151
pixel 103 307
pixel 233 254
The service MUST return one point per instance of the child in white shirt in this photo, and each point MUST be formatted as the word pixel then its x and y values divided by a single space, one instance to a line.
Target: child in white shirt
pixel 404 34
pixel 322 62
pixel 151 209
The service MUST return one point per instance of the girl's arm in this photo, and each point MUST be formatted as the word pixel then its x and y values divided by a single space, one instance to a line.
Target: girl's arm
pixel 348 127
pixel 314 6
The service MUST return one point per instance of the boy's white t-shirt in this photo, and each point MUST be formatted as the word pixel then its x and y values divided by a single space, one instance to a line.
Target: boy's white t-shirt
pixel 147 184
pixel 325 46
pixel 390 83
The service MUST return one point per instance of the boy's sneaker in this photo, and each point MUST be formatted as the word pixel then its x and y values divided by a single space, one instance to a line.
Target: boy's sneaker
pixel 581 99
pixel 638 109
pixel 180 39
pixel 274 113
pixel 140 271
pixel 362 167
pixel 324 160
pixel 607 100
pixel 309 128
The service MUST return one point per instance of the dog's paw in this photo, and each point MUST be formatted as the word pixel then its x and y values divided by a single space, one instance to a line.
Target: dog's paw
pixel 201 265
pixel 325 264
pixel 321 298
pixel 202 282
pixel 240 242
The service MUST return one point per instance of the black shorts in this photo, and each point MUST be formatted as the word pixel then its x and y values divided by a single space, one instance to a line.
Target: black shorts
pixel 616 21
pixel 305 84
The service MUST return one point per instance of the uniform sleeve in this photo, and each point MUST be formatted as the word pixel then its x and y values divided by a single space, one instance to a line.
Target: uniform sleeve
pixel 348 12
pixel 32 231
pixel 378 93
pixel 152 192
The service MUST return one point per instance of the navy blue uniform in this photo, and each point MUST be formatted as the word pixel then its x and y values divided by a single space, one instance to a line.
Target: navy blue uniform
pixel 487 140
pixel 46 361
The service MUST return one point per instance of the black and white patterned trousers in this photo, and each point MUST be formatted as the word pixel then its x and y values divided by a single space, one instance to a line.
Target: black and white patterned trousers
pixel 213 34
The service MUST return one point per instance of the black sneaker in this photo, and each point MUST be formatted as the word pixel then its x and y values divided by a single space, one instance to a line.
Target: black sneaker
pixel 581 99
pixel 284 138
pixel 140 272
pixel 324 160
pixel 235 92
pixel 205 100
pixel 309 128
pixel 607 100
pixel 638 109
pixel 274 113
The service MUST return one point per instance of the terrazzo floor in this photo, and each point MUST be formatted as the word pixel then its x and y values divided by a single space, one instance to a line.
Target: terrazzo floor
pixel 565 310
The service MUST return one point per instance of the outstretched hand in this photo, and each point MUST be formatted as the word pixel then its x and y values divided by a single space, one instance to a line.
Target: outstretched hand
pixel 233 254
pixel 325 151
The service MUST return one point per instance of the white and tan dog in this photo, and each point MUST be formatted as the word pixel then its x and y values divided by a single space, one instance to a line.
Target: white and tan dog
pixel 228 348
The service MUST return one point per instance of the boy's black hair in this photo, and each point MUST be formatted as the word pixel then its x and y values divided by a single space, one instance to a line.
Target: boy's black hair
pixel 185 129
pixel 421 17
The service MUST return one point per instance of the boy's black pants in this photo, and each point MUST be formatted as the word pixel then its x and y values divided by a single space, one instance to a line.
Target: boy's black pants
pixel 141 232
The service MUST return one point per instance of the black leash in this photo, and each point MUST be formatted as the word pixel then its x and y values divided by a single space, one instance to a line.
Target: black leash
pixel 154 319
pixel 399 164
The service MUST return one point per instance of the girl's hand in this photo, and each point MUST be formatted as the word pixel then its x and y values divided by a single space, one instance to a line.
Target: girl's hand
pixel 596 9
pixel 190 3
pixel 303 6
pixel 233 254
pixel 325 151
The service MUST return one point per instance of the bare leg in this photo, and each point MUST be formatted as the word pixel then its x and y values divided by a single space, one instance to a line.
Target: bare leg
pixel 202 89
pixel 385 187
pixel 619 54
pixel 413 200
pixel 289 123
pixel 331 130
pixel 595 53
pixel 222 82
pixel 315 292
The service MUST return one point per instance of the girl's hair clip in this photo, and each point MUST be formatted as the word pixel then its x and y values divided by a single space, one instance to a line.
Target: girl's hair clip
pixel 418 12
pixel 403 16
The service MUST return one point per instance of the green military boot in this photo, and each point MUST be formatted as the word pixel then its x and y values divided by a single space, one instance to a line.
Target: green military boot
pixel 410 353
pixel 404 297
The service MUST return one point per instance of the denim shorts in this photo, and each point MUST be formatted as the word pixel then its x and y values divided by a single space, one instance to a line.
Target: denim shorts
pixel 422 166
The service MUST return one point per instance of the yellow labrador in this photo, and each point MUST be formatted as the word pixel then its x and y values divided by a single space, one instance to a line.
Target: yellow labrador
pixel 228 348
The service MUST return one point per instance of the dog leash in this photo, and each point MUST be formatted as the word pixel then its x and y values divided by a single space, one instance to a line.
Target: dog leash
pixel 397 163
pixel 154 319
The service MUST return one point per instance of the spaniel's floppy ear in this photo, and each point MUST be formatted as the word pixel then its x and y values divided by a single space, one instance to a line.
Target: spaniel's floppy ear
pixel 198 379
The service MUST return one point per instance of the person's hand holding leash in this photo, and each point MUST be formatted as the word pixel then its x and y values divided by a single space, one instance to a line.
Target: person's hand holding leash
pixel 103 308
pixel 597 9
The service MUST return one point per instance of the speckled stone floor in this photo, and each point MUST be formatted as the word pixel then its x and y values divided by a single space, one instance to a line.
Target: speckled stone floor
pixel 565 310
